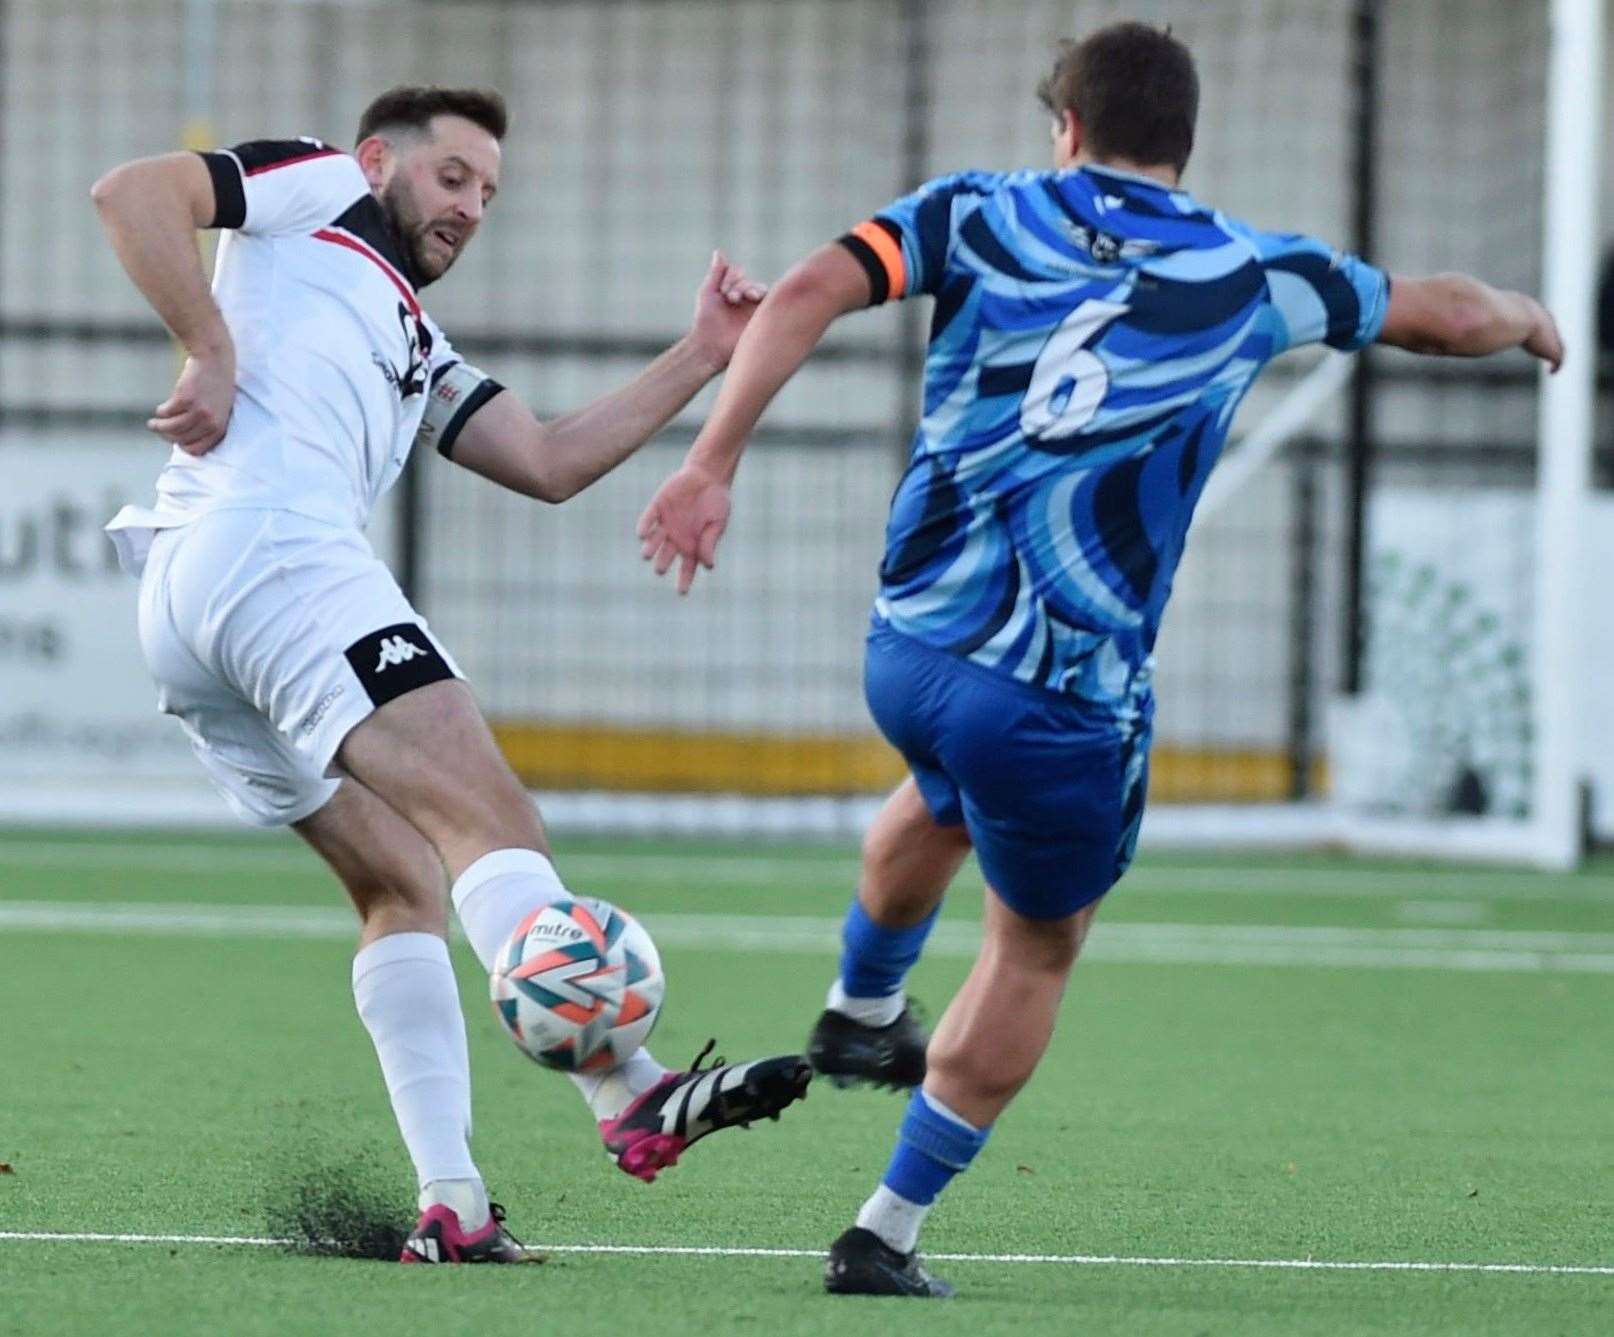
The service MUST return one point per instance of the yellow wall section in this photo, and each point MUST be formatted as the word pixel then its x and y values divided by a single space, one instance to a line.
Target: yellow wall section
pixel 581 756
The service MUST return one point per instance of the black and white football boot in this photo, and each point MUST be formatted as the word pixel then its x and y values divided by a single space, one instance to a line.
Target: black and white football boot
pixel 850 1053
pixel 861 1263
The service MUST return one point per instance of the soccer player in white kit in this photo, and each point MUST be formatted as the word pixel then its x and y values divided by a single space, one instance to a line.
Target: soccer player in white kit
pixel 313 694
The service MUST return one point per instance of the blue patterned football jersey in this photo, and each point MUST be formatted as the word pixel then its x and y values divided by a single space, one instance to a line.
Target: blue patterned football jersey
pixel 1093 333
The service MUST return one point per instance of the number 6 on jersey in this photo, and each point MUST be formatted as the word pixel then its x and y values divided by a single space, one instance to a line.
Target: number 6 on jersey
pixel 1069 381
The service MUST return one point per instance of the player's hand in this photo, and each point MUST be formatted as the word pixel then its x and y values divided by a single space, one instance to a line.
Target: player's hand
pixel 1544 340
pixel 723 307
pixel 683 523
pixel 195 415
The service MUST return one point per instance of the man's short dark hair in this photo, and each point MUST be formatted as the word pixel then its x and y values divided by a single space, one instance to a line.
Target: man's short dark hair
pixel 1134 90
pixel 413 107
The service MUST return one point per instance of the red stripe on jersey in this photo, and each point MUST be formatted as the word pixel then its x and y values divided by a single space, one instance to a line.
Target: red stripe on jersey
pixel 292 162
pixel 374 257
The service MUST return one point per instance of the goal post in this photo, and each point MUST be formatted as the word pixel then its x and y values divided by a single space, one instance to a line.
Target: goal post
pixel 1502 776
pixel 1571 235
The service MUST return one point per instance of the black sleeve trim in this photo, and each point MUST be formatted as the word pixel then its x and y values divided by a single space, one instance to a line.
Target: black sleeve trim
pixel 863 253
pixel 475 400
pixel 229 194
pixel 259 155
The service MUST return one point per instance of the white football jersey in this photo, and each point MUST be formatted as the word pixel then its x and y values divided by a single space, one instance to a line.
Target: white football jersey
pixel 339 372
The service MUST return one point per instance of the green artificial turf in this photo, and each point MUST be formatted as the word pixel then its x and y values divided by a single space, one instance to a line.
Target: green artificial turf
pixel 159 1083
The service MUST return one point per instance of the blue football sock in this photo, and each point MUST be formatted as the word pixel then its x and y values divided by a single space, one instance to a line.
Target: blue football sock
pixel 875 960
pixel 934 1144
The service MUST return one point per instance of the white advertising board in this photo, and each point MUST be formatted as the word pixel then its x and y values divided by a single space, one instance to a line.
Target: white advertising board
pixel 76 702
pixel 81 739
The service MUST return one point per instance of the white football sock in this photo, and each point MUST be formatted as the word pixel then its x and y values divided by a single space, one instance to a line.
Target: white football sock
pixel 609 1093
pixel 497 892
pixel 466 1198
pixel 867 1011
pixel 405 992
pixel 894 1219
pixel 492 897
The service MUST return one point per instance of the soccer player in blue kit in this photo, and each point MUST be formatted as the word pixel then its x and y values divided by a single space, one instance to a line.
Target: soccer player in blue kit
pixel 1094 331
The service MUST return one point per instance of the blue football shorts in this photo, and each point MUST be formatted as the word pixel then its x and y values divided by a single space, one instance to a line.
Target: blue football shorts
pixel 1051 796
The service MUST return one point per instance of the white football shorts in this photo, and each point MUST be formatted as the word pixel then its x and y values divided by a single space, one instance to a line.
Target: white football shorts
pixel 270 637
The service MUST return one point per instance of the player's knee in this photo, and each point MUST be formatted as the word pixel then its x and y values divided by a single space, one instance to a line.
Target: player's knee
pixel 1055 952
pixel 1039 946
pixel 1033 947
pixel 407 890
pixel 402 903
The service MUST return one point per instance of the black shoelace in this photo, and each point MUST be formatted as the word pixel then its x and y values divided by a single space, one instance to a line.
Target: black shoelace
pixel 497 1212
pixel 717 1062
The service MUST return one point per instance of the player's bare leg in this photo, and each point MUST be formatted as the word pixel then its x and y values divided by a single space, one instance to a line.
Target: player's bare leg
pixel 986 1047
pixel 999 1023
pixel 390 872
pixel 405 992
pixel 867 1031
pixel 909 860
pixel 430 755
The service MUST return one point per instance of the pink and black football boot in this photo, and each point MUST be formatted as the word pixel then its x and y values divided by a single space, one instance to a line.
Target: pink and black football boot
pixel 439 1238
pixel 683 1107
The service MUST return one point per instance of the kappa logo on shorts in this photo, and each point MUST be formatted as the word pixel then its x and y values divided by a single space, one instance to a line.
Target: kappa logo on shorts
pixel 395 660
pixel 397 650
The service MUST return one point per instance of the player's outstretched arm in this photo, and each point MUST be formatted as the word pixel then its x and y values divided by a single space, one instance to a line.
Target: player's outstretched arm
pixel 151 209
pixel 688 514
pixel 557 459
pixel 1459 316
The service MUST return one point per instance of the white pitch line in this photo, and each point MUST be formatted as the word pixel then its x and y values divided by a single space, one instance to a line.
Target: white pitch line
pixel 1099 1260
pixel 95 1237
pixel 667 865
pixel 714 1251
pixel 659 868
pixel 1113 942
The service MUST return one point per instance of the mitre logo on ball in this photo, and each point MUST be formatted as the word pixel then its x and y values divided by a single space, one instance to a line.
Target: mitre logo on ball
pixel 555 930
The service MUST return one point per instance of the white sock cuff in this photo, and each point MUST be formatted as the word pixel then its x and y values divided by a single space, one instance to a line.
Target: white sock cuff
pixel 868 1011
pixel 946 1113
pixel 498 863
pixel 397 947
pixel 466 1198
pixel 894 1219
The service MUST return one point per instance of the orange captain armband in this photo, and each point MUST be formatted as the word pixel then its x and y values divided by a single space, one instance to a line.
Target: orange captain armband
pixel 877 245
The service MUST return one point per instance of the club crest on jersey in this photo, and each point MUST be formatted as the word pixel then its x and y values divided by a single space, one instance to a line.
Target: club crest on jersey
pixel 418 345
pixel 1105 248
